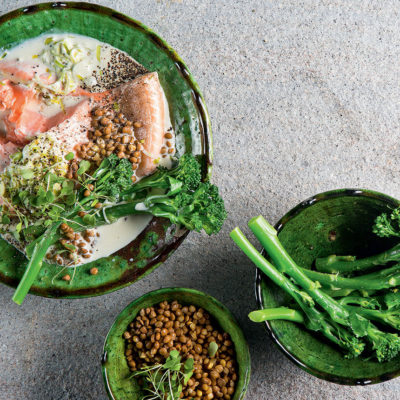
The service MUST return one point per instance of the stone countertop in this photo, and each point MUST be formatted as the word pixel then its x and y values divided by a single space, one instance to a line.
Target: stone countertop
pixel 302 97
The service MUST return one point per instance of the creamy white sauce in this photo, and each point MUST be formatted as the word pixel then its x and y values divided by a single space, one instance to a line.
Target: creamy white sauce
pixel 115 236
pixel 28 51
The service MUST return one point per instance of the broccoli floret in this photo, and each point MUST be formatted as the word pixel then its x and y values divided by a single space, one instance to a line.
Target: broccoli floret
pixel 392 299
pixel 386 345
pixel 120 179
pixel 202 209
pixel 348 341
pixel 187 171
pixel 388 225
pixel 112 177
pixel 187 200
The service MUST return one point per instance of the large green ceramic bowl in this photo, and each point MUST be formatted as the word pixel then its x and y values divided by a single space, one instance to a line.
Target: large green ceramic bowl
pixel 114 366
pixel 188 115
pixel 336 222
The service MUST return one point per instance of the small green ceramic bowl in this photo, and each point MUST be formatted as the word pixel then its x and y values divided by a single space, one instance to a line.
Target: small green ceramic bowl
pixel 114 366
pixel 336 222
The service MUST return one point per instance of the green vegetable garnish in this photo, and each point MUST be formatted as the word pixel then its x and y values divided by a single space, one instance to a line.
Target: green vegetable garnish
pixel 212 349
pixel 98 53
pixel 165 381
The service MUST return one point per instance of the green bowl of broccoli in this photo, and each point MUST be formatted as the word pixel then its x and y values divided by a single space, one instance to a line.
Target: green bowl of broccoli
pixel 339 230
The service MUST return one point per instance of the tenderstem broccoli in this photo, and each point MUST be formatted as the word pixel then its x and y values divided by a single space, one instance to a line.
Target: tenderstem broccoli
pixel 383 279
pixel 386 225
pixel 344 322
pixel 281 313
pixel 179 196
pixel 349 264
pixel 316 320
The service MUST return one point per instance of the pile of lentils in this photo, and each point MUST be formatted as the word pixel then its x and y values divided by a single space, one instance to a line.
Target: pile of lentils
pixel 111 133
pixel 170 326
pixel 76 246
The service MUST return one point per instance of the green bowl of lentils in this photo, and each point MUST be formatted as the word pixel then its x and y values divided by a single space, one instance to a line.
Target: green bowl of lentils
pixel 171 321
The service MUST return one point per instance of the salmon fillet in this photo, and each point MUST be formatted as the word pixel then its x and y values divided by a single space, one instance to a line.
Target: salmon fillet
pixel 74 126
pixel 24 72
pixel 20 114
pixel 141 100
pixel 6 149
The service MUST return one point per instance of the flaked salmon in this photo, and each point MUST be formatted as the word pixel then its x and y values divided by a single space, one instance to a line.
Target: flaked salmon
pixel 141 100
pixel 6 149
pixel 23 72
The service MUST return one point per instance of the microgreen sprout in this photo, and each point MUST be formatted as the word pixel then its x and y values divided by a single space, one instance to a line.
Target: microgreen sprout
pixel 212 349
pixel 165 381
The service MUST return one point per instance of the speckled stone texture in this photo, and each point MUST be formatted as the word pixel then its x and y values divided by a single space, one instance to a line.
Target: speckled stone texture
pixel 303 97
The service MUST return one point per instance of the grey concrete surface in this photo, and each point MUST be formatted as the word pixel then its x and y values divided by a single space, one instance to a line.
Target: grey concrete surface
pixel 304 97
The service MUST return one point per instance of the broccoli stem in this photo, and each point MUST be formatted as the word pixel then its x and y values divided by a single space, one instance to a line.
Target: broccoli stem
pixel 282 313
pixel 384 279
pixel 365 302
pixel 316 320
pixel 268 237
pixel 387 317
pixel 335 292
pixel 348 264
pixel 35 263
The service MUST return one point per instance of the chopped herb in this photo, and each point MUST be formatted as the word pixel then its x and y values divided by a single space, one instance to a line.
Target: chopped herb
pixel 26 173
pixel 69 156
pixel 84 166
pixel 98 53
pixel 212 349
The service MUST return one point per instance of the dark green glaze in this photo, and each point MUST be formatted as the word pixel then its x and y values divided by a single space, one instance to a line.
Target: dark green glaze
pixel 188 115
pixel 336 222
pixel 114 366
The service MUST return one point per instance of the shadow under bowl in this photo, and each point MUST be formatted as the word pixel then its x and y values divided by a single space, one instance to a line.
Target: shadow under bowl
pixel 336 222
pixel 114 366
